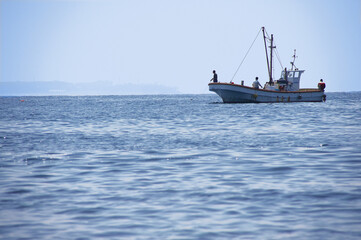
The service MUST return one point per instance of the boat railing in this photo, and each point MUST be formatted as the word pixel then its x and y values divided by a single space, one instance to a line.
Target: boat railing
pixel 309 90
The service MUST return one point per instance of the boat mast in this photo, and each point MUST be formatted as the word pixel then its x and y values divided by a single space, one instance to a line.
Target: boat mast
pixel 271 60
pixel 294 59
pixel 269 66
pixel 265 47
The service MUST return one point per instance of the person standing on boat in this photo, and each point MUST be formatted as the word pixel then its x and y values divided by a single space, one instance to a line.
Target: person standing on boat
pixel 256 84
pixel 321 85
pixel 215 76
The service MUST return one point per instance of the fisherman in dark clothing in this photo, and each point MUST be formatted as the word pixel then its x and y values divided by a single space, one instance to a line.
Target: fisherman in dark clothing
pixel 215 76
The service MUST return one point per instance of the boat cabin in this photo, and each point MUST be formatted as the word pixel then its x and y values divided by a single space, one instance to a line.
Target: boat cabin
pixel 289 81
pixel 293 77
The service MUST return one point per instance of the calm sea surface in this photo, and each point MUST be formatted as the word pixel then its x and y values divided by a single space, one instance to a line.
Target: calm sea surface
pixel 179 167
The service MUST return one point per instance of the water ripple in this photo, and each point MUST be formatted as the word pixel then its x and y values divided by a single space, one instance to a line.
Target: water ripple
pixel 165 167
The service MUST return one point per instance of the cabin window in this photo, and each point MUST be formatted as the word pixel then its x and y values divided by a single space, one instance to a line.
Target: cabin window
pixel 297 74
pixel 290 75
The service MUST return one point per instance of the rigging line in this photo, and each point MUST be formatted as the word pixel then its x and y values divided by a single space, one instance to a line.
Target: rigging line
pixel 279 59
pixel 245 55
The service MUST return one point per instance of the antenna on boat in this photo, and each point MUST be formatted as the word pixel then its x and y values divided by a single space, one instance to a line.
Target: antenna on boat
pixel 294 59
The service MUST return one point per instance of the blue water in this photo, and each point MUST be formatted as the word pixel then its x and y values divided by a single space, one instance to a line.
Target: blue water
pixel 179 167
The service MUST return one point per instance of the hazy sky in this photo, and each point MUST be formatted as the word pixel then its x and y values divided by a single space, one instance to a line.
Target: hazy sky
pixel 178 43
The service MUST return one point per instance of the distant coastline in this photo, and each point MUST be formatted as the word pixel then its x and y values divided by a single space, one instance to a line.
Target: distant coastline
pixel 44 88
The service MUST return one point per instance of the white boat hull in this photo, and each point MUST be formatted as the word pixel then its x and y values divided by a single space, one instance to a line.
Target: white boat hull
pixel 234 93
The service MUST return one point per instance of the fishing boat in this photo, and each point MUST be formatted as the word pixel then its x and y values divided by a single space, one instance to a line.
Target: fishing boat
pixel 285 89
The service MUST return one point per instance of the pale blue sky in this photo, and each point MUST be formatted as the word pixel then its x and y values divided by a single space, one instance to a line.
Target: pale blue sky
pixel 178 43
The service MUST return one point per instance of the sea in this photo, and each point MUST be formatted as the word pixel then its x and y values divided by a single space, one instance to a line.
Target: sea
pixel 179 167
